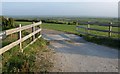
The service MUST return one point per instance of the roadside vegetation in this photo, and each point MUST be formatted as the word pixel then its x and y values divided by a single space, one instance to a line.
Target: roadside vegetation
pixel 35 58
pixel 59 27
pixel 7 23
pixel 110 42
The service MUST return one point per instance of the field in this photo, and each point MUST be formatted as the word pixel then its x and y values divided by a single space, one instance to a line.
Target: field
pixel 60 27
pixel 22 23
pixel 72 29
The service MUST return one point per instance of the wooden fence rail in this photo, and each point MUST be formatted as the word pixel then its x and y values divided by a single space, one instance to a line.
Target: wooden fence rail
pixel 88 29
pixel 20 40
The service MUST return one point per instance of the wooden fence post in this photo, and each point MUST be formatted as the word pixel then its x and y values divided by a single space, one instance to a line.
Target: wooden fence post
pixel 88 26
pixel 20 36
pixel 41 23
pixel 33 30
pixel 110 29
pixel 40 28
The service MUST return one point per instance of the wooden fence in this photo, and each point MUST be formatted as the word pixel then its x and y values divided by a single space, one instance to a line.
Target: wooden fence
pixel 88 29
pixel 20 40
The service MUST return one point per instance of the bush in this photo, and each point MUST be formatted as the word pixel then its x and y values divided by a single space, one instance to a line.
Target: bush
pixel 7 23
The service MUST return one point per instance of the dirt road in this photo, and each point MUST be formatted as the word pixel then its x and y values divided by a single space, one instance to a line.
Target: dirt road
pixel 74 54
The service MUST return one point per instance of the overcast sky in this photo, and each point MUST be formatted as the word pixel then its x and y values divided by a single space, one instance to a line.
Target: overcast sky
pixel 95 9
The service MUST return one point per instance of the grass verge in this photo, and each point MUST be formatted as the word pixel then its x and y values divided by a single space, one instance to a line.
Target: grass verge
pixel 34 58
pixel 103 41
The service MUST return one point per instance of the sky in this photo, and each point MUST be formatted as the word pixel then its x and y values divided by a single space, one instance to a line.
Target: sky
pixel 59 0
pixel 89 8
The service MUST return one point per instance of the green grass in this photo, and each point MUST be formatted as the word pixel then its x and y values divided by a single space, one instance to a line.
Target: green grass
pixel 22 23
pixel 16 61
pixel 103 41
pixel 9 39
pixel 114 35
pixel 60 27
pixel 103 27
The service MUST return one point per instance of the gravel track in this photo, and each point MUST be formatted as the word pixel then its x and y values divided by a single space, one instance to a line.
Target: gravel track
pixel 74 54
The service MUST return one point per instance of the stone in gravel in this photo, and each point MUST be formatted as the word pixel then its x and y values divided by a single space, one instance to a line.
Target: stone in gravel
pixel 104 66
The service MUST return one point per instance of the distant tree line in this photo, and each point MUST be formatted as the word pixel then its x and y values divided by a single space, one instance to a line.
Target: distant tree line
pixel 59 22
pixel 47 21
pixel 27 20
pixel 73 21
pixel 79 22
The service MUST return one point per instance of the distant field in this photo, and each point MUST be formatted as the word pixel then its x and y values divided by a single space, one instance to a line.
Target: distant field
pixel 22 23
pixel 72 29
pixel 60 27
